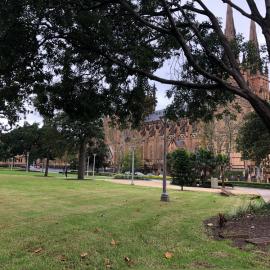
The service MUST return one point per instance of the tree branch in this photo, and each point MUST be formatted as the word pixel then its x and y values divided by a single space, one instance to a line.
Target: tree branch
pixel 254 10
pixel 267 5
pixel 236 7
pixel 204 44
pixel 159 79
pixel 140 19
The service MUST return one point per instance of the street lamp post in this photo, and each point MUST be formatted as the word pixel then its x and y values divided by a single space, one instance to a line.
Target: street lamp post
pixel 164 195
pixel 132 167
pixel 94 164
pixel 87 172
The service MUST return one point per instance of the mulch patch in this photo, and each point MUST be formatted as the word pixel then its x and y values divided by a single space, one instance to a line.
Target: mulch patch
pixel 242 229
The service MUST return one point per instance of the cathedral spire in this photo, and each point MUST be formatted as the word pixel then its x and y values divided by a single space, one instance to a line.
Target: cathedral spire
pixel 230 32
pixel 253 35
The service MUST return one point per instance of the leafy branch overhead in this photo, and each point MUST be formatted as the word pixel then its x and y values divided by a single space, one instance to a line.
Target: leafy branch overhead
pixel 98 53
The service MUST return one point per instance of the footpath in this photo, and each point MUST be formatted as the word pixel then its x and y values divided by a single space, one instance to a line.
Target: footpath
pixel 264 193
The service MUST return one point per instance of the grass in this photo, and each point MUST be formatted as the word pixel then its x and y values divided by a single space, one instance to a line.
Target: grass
pixel 68 218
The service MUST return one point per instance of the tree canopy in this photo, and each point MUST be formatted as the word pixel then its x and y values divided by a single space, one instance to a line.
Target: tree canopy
pixel 121 43
pixel 253 139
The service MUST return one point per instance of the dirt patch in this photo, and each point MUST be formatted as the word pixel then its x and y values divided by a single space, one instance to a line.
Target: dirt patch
pixel 239 230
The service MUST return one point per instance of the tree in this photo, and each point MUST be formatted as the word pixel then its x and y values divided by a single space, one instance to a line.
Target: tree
pixel 20 65
pixel 210 58
pixel 79 135
pixel 98 147
pixel 51 144
pixel 134 38
pixel 222 162
pixel 137 37
pixel 23 141
pixel 253 140
pixel 126 162
pixel 205 163
pixel 73 77
pixel 180 167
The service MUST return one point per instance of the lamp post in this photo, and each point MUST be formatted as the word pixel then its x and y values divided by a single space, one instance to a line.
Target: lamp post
pixel 132 166
pixel 94 164
pixel 87 172
pixel 164 196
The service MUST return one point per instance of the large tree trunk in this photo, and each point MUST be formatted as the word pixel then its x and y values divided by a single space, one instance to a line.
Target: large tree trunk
pixel 266 27
pixel 46 167
pixel 82 153
pixel 261 107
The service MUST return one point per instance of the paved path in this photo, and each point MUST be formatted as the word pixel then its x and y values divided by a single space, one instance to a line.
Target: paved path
pixel 264 193
pixel 158 184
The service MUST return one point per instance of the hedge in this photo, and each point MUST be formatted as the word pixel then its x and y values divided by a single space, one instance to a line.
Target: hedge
pixel 250 184
pixel 140 177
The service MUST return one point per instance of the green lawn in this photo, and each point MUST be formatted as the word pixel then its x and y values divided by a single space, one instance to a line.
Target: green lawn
pixel 63 219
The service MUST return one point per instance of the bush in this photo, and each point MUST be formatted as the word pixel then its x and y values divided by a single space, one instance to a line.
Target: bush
pixel 128 176
pixel 250 184
pixel 181 168
pixel 140 177
pixel 104 174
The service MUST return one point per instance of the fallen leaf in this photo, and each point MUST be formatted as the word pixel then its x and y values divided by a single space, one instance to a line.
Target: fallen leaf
pixel 113 242
pixel 210 224
pixel 62 258
pixel 168 255
pixel 107 263
pixel 129 261
pixel 84 254
pixel 38 250
pixel 97 230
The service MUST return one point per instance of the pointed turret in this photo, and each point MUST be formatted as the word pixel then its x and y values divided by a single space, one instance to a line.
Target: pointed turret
pixel 255 59
pixel 253 35
pixel 230 32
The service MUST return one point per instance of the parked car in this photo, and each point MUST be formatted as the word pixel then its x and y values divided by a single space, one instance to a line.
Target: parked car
pixel 139 174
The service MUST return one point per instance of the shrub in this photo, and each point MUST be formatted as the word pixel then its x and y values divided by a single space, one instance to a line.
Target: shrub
pixel 181 168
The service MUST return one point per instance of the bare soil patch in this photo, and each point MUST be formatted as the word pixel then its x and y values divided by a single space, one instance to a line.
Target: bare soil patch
pixel 242 229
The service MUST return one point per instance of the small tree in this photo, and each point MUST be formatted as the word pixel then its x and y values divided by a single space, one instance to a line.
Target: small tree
pixel 205 163
pixel 126 162
pixel 51 144
pixel 253 139
pixel 222 162
pixel 180 166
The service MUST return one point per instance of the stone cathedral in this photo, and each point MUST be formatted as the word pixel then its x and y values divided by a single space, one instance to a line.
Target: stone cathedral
pixel 219 136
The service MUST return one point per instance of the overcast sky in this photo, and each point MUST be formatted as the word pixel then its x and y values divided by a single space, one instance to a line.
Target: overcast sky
pixel 242 25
